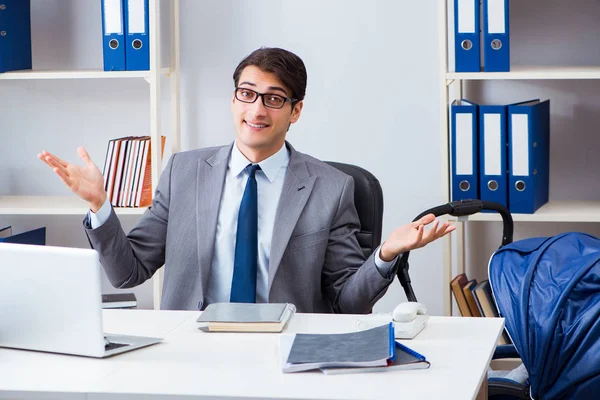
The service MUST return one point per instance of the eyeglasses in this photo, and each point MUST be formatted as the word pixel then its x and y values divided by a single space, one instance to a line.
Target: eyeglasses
pixel 269 100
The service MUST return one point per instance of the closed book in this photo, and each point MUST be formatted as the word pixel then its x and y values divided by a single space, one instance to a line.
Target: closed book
pixel 246 317
pixel 470 297
pixel 405 359
pixel 369 348
pixel 145 191
pixel 457 285
pixel 485 299
pixel 119 300
pixel 35 237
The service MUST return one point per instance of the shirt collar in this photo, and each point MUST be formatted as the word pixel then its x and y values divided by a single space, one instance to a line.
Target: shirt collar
pixel 269 166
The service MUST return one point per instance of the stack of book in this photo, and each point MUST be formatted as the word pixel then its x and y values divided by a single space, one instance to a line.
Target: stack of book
pixel 128 171
pixel 476 300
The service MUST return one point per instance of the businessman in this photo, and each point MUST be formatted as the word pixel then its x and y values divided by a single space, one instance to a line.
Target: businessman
pixel 253 221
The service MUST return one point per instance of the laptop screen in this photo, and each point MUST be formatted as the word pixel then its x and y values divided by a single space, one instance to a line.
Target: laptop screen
pixel 50 299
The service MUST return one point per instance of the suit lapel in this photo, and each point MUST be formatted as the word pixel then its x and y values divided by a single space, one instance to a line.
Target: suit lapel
pixel 297 187
pixel 211 179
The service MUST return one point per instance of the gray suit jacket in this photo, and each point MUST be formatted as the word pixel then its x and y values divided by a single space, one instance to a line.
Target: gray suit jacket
pixel 315 263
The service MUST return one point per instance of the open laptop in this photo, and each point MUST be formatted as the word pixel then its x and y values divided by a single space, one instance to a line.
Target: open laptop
pixel 50 300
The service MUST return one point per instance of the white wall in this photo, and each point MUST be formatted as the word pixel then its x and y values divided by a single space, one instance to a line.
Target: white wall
pixel 372 96
pixel 372 99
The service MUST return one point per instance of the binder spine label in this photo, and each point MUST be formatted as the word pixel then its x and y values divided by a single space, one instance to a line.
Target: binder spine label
pixel 520 145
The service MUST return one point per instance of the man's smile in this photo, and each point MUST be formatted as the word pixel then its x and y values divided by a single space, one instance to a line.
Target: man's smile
pixel 257 126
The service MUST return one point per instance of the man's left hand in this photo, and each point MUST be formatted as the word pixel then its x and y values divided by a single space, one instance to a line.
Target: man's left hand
pixel 413 236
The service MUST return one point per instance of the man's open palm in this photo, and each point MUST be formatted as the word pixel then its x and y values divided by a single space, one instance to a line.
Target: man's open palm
pixel 414 235
pixel 86 182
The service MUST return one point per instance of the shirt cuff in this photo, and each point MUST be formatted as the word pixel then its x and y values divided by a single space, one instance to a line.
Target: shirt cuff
pixel 385 267
pixel 99 218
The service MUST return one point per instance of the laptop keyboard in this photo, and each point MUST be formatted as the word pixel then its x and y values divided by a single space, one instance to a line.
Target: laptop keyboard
pixel 108 345
pixel 111 346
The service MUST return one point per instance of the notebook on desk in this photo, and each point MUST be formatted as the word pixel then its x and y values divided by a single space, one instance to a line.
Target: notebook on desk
pixel 50 301
pixel 363 349
pixel 246 317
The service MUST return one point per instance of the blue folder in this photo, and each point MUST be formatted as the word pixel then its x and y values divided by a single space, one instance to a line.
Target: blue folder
pixel 15 35
pixel 113 35
pixel 493 153
pixel 467 53
pixel 496 36
pixel 529 155
pixel 36 236
pixel 465 150
pixel 137 35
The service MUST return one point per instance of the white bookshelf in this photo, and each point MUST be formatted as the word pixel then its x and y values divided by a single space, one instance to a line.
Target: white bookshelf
pixel 53 205
pixel 553 211
pixel 529 73
pixel 72 205
pixel 451 86
pixel 78 74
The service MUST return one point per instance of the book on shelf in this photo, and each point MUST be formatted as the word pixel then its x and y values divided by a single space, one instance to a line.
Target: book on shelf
pixel 457 284
pixel 470 297
pixel 405 359
pixel 119 300
pixel 483 294
pixel 128 171
pixel 373 347
pixel 35 236
pixel 246 317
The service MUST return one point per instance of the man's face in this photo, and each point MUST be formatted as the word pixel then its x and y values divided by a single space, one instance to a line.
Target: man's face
pixel 261 130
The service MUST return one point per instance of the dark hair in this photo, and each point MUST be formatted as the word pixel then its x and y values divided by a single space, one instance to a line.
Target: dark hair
pixel 287 66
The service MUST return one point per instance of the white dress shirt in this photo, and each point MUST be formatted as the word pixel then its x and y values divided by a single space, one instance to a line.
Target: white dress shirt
pixel 269 181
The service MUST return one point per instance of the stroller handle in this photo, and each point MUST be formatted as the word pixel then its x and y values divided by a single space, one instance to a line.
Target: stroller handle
pixel 459 208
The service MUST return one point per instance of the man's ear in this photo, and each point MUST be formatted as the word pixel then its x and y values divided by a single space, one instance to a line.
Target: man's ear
pixel 296 111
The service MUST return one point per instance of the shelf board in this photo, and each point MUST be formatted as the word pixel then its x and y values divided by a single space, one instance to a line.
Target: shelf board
pixel 52 205
pixel 590 72
pixel 77 74
pixel 553 211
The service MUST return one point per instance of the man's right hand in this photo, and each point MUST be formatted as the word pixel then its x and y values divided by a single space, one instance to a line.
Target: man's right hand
pixel 86 182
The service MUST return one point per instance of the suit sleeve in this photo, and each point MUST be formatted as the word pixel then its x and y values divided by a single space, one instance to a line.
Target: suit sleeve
pixel 129 260
pixel 353 284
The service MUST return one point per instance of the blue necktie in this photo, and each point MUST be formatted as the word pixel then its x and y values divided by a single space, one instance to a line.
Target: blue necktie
pixel 243 285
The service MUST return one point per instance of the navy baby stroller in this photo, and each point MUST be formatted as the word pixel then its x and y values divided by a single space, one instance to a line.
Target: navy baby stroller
pixel 548 290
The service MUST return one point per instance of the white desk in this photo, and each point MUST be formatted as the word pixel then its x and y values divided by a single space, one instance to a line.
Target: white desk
pixel 225 365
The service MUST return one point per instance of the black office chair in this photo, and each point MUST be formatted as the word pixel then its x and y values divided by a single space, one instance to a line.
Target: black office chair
pixel 368 200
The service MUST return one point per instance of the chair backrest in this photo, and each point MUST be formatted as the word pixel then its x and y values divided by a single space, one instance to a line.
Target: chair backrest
pixel 368 200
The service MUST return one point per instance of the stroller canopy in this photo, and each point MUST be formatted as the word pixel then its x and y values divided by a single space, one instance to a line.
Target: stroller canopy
pixel 548 290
